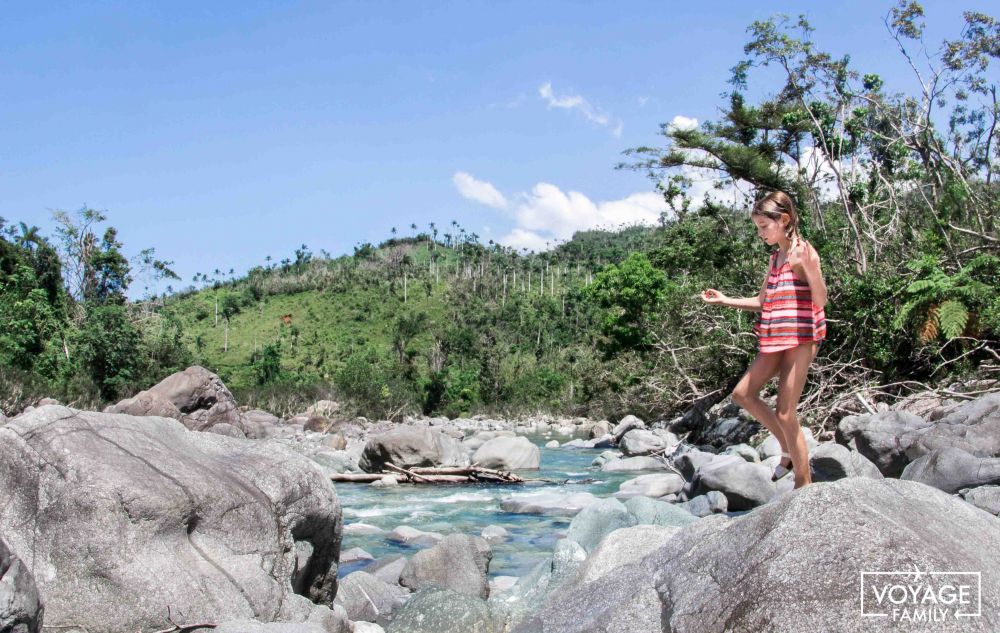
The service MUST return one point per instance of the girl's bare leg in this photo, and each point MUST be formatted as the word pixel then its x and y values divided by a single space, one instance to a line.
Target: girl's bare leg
pixel 747 394
pixel 792 373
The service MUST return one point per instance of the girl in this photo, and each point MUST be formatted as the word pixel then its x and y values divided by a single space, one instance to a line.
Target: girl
pixel 790 327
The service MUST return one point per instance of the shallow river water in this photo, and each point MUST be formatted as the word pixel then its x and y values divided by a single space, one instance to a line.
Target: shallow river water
pixel 467 509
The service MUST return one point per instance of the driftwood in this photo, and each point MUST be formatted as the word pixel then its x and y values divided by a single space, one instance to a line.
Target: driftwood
pixel 467 475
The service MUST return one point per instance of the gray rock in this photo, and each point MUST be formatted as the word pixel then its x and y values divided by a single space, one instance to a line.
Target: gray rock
pixel 530 591
pixel 361 529
pixel 494 534
pixel 552 444
pixel 411 447
pixel 706 579
pixel 656 485
pixel 986 498
pixel 227 429
pixel 499 584
pixel 690 461
pixel 830 461
pixel 604 441
pixel 147 514
pixel 879 437
pixel 652 512
pixel 413 536
pixel 336 461
pixel 387 569
pixel 625 425
pixel 633 463
pixel 712 502
pixel 624 546
pixel 720 431
pixel 745 485
pixel 459 562
pixel 745 451
pixel 605 457
pixel 354 554
pixel 598 520
pixel 147 403
pixel 508 453
pixel 368 598
pixel 952 469
pixel 555 503
pixel 567 557
pixel 600 429
pixel 20 608
pixel 641 442
pixel 436 610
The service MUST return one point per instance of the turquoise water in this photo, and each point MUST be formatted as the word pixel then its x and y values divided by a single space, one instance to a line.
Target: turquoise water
pixel 467 509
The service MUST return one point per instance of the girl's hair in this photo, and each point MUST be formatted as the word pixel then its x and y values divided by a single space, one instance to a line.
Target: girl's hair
pixel 773 205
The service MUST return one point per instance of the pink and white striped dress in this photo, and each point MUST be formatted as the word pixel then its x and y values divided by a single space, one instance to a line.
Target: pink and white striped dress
pixel 788 316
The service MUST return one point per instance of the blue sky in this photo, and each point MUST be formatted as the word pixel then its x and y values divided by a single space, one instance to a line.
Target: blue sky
pixel 223 132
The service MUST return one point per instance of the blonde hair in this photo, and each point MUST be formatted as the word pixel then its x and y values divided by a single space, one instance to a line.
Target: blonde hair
pixel 773 205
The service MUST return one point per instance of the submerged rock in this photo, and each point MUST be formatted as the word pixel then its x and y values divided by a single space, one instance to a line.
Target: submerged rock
pixel 458 562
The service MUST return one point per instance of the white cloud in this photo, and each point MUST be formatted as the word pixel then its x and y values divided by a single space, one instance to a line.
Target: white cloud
pixel 478 190
pixel 618 129
pixel 573 102
pixel 519 238
pixel 681 122
pixel 547 214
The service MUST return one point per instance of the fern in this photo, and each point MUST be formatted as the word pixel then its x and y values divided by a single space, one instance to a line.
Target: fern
pixel 953 317
pixel 929 330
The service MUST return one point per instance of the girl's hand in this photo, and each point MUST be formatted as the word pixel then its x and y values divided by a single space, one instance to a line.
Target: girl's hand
pixel 713 296
pixel 800 256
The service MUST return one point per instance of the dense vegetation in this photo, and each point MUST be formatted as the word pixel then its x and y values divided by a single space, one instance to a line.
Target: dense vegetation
pixel 896 191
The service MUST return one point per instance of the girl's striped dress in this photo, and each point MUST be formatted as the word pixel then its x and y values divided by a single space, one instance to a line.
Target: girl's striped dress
pixel 788 316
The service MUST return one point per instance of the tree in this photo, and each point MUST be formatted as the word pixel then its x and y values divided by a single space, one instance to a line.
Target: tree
pixel 630 295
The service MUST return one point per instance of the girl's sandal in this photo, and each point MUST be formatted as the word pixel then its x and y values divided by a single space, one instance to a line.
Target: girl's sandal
pixel 779 470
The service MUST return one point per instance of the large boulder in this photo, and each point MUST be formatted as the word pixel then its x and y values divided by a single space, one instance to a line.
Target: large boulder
pixel 508 453
pixel 459 562
pixel 952 469
pixel 195 396
pixel 892 439
pixel 411 447
pixel 20 608
pixel 120 518
pixel 745 485
pixel 795 565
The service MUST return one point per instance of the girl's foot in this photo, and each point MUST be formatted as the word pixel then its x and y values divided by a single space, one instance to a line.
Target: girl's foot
pixel 782 469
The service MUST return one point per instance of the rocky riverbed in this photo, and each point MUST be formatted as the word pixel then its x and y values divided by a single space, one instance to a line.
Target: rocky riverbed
pixel 180 510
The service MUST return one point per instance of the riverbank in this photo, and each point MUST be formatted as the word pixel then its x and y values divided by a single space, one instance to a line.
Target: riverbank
pixel 179 506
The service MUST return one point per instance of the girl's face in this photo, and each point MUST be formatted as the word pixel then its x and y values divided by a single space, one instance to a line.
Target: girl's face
pixel 771 231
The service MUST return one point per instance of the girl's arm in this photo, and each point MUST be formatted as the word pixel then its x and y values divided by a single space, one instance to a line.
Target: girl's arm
pixel 804 258
pixel 750 304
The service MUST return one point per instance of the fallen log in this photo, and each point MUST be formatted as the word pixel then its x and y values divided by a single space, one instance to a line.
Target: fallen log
pixel 426 475
pixel 357 478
